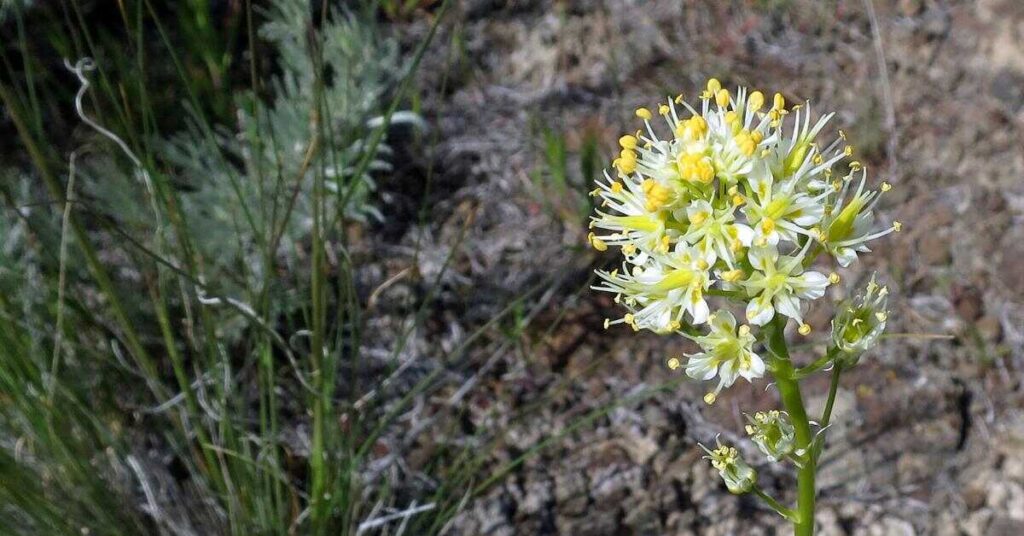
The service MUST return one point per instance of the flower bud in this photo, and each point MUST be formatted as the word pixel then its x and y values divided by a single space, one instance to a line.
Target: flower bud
pixel 738 476
pixel 773 433
pixel 860 322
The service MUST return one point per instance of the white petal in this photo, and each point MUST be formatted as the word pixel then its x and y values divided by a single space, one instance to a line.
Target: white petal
pixel 810 285
pixel 760 311
pixel 699 311
pixel 761 257
pixel 700 367
pixel 723 321
pixel 788 305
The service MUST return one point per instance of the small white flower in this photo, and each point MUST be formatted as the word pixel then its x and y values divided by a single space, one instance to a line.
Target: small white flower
pixel 715 231
pixel 860 322
pixel 727 352
pixel 773 433
pixel 776 211
pixel 738 476
pixel 849 229
pixel 664 288
pixel 779 284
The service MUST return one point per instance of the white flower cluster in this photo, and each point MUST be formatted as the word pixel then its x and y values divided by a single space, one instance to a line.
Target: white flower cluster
pixel 737 202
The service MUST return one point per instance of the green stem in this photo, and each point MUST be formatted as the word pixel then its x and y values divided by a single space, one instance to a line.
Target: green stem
pixel 826 416
pixel 787 513
pixel 789 391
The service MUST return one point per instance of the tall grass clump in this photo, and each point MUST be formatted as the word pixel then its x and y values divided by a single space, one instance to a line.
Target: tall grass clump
pixel 180 325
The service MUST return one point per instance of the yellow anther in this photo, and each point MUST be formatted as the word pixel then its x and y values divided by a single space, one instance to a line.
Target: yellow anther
pixel 698 218
pixel 678 99
pixel 663 109
pixel 779 102
pixel 710 398
pixel 744 330
pixel 627 154
pixel 628 318
pixel 842 134
pixel 713 86
pixel 756 101
pixel 737 200
pixel 817 159
pixel 644 113
pixel 881 316
pixel 607 322
pixel 855 165
pixel 746 143
pixel 805 329
pixel 897 226
pixel 733 276
pixel 767 226
pixel 628 249
pixel 647 185
pixel 674 363
pixel 833 278
pixel 598 243
pixel 848 150
pixel 886 187
pixel 695 168
pixel 617 187
pixel 731 116
pixel 626 166
pixel 628 142
pixel 702 264
pixel 722 98
pixel 757 136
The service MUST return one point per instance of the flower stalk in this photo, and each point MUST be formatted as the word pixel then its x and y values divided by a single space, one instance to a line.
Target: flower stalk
pixel 722 226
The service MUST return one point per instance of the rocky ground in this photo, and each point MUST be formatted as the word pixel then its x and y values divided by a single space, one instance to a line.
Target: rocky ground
pixel 930 428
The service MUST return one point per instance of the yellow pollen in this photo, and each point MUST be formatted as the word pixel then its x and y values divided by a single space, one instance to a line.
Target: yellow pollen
pixel 628 154
pixel 757 136
pixel 886 187
pixel 702 264
pixel 617 187
pixel 710 398
pixel 733 276
pixel 714 85
pixel 805 329
pixel 779 102
pixel 663 109
pixel 598 243
pixel 848 150
pixel 737 200
pixel 722 98
pixel 674 363
pixel 746 143
pixel 644 113
pixel 833 278
pixel 679 99
pixel 628 318
pixel 756 101
pixel 647 185
pixel 695 168
pixel 767 225
pixel 628 142
pixel 855 165
pixel 897 226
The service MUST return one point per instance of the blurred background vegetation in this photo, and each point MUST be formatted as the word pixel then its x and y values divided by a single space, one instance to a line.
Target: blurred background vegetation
pixel 304 267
